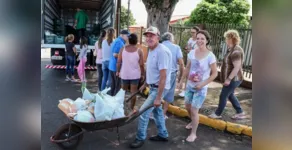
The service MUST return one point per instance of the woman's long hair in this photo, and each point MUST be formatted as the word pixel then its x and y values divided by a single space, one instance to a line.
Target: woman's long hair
pixel 110 35
pixel 102 36
pixel 83 42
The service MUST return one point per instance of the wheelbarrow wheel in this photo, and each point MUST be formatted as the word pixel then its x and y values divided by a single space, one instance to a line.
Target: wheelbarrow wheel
pixel 63 133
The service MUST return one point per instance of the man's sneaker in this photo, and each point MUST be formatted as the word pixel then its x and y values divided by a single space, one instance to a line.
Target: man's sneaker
pixel 214 116
pixel 182 94
pixel 158 138
pixel 136 144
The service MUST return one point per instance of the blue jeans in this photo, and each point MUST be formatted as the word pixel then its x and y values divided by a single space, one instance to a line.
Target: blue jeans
pixel 158 117
pixel 169 97
pixel 228 92
pixel 105 73
pixel 100 75
pixel 70 63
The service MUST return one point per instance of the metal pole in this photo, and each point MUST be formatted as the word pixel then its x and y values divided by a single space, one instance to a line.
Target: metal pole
pixel 128 21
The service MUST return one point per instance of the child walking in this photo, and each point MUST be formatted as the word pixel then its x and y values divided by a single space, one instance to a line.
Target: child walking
pixel 82 59
pixel 70 57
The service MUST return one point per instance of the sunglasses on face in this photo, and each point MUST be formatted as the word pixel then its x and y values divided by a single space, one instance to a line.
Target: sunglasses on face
pixel 193 32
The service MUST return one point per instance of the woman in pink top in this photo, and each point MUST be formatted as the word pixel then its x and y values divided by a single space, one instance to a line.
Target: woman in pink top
pixel 130 66
pixel 98 54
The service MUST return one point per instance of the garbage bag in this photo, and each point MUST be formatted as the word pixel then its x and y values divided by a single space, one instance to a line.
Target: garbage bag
pixel 120 96
pixel 119 107
pixel 102 109
pixel 71 115
pixel 79 104
pixel 87 95
pixel 91 108
pixel 119 112
pixel 84 116
pixel 70 101
pixel 65 106
pixel 105 91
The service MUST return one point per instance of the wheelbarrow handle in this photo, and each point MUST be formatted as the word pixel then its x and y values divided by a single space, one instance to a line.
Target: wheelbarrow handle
pixel 135 115
pixel 136 93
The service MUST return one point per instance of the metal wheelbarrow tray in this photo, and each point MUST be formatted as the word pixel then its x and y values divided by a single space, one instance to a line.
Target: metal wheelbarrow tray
pixel 70 135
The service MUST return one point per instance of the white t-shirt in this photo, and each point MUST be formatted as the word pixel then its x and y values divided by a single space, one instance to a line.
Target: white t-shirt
pixel 106 50
pixel 200 67
pixel 192 43
pixel 158 59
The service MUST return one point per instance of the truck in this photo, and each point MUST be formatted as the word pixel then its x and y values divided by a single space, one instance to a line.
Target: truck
pixel 57 20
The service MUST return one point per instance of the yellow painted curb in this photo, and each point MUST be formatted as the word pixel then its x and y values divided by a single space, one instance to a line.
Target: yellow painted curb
pixel 215 123
pixel 235 128
pixel 178 111
pixel 247 131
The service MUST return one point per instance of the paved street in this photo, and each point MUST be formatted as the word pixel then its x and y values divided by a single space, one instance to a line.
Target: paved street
pixel 54 88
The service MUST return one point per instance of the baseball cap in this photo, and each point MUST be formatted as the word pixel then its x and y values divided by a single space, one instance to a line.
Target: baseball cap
pixel 125 32
pixel 152 30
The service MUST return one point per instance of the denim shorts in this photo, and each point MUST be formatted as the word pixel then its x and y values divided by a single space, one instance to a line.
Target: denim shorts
pixel 195 97
pixel 131 82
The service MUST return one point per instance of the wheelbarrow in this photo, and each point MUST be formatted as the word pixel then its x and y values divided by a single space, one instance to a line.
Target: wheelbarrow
pixel 70 135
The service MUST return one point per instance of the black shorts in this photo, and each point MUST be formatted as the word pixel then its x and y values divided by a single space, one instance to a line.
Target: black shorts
pixel 129 82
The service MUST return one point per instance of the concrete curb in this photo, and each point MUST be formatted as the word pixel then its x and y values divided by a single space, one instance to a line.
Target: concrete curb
pixel 214 123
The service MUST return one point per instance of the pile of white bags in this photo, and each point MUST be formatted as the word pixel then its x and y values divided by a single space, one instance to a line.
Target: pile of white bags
pixel 94 107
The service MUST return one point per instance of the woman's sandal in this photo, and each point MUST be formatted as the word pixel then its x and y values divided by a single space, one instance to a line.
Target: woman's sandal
pixel 239 116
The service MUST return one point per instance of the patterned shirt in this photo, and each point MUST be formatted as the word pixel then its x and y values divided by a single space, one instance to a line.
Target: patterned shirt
pixel 232 55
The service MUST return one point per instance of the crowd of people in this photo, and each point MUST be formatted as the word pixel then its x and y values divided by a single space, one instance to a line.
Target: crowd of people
pixel 120 64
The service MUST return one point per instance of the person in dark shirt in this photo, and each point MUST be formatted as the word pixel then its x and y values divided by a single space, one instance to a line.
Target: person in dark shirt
pixel 70 57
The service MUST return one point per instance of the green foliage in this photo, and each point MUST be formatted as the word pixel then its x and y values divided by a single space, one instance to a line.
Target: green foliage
pixel 124 18
pixel 220 12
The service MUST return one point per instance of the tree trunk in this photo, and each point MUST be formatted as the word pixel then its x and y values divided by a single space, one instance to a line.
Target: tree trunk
pixel 159 13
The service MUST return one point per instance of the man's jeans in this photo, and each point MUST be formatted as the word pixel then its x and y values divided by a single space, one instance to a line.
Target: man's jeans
pixel 158 117
pixel 228 92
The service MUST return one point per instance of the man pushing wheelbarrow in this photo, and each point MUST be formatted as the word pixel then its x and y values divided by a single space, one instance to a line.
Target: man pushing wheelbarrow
pixel 158 79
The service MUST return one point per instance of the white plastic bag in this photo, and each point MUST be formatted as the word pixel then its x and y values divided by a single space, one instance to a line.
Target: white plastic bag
pixel 102 110
pixel 119 112
pixel 119 107
pixel 87 95
pixel 120 96
pixel 80 104
pixel 91 108
pixel 105 90
pixel 84 116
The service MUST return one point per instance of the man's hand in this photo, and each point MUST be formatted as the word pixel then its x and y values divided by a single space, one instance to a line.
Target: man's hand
pixel 118 74
pixel 157 102
pixel 142 88
pixel 227 82
pixel 142 78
